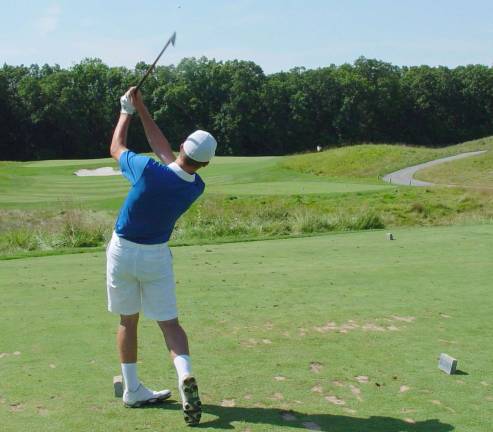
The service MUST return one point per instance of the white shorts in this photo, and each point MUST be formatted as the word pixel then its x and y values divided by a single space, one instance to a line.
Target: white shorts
pixel 140 277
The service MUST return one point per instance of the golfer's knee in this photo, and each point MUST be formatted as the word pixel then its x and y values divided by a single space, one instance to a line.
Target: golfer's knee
pixel 129 321
pixel 169 325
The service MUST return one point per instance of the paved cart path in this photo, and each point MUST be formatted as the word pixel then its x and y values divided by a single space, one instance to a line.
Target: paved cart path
pixel 405 175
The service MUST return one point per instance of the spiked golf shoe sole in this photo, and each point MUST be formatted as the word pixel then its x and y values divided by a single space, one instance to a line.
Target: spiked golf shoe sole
pixel 192 406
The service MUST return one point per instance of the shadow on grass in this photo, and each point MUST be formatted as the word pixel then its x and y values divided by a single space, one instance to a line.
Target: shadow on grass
pixel 296 420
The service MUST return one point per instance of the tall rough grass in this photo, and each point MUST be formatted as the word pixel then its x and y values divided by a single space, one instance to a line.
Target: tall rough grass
pixel 44 230
pixel 219 217
pixel 249 217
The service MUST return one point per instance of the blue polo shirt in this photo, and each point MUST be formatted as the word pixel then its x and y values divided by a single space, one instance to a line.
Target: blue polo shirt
pixel 157 198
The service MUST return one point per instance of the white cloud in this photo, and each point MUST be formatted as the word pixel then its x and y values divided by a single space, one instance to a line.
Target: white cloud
pixel 48 21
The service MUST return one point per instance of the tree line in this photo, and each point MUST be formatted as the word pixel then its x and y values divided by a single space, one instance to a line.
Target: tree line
pixel 49 112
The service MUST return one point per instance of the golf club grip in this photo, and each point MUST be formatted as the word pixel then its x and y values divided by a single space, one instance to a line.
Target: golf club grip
pixel 170 40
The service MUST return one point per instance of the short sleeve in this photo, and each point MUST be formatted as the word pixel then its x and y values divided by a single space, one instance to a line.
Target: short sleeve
pixel 133 165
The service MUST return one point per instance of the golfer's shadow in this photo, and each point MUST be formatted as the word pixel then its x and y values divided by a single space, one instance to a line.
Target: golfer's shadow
pixel 225 416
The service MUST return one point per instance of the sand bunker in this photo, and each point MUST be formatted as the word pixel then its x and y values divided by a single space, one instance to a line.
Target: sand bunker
pixel 104 171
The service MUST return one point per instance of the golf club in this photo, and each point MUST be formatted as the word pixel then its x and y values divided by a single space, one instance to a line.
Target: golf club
pixel 171 40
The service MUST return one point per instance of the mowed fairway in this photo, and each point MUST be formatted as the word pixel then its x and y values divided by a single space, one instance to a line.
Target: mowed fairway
pixel 337 333
pixel 37 184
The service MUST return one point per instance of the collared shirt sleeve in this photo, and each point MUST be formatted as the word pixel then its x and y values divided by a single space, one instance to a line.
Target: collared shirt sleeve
pixel 133 165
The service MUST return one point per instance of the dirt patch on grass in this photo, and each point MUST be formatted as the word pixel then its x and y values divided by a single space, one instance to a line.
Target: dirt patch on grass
pixel 6 354
pixel 375 325
pixel 356 392
pixel 407 319
pixel 16 407
pixel 278 396
pixel 42 411
pixel 316 367
pixel 362 379
pixel 250 343
pixel 335 400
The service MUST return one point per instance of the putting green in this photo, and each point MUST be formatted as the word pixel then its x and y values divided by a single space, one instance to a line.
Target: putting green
pixel 36 184
pixel 340 331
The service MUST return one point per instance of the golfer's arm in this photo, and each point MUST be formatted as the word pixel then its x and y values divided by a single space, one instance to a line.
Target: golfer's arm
pixel 119 140
pixel 158 142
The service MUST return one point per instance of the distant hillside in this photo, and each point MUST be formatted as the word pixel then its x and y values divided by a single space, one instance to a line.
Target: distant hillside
pixel 474 171
pixel 372 160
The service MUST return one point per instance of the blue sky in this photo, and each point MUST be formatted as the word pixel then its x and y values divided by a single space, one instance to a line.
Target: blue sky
pixel 276 34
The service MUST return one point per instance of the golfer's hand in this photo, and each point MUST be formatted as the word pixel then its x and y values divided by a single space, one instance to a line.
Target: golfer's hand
pixel 127 106
pixel 136 98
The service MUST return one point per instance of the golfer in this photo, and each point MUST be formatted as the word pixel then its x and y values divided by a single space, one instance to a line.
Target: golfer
pixel 139 262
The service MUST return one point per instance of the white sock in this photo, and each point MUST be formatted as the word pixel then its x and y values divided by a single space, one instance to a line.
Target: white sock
pixel 183 366
pixel 129 372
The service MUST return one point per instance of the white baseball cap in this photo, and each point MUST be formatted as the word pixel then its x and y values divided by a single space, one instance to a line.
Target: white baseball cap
pixel 200 146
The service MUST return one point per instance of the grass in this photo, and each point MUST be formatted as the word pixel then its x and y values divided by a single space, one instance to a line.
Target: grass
pixel 278 327
pixel 345 170
pixel 476 172
pixel 279 330
pixel 37 184
pixel 44 207
pixel 368 161
pixel 220 218
pixel 48 230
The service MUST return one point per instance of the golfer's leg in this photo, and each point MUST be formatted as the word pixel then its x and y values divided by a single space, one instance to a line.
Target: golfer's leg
pixel 175 337
pixel 124 299
pixel 127 338
pixel 177 343
pixel 176 340
pixel 127 348
pixel 159 303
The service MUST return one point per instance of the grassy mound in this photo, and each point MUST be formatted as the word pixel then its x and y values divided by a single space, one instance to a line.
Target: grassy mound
pixel 373 160
pixel 475 172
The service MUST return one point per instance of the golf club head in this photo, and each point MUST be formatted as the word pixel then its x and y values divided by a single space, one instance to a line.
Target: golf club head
pixel 171 41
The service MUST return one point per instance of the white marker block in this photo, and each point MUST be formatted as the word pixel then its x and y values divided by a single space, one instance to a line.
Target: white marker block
pixel 447 364
pixel 118 386
pixel 390 236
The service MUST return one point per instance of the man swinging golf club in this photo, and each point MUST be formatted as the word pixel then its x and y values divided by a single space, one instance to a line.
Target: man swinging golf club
pixel 139 261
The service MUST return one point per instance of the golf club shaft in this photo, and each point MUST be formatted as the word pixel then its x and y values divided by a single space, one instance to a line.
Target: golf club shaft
pixel 170 40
